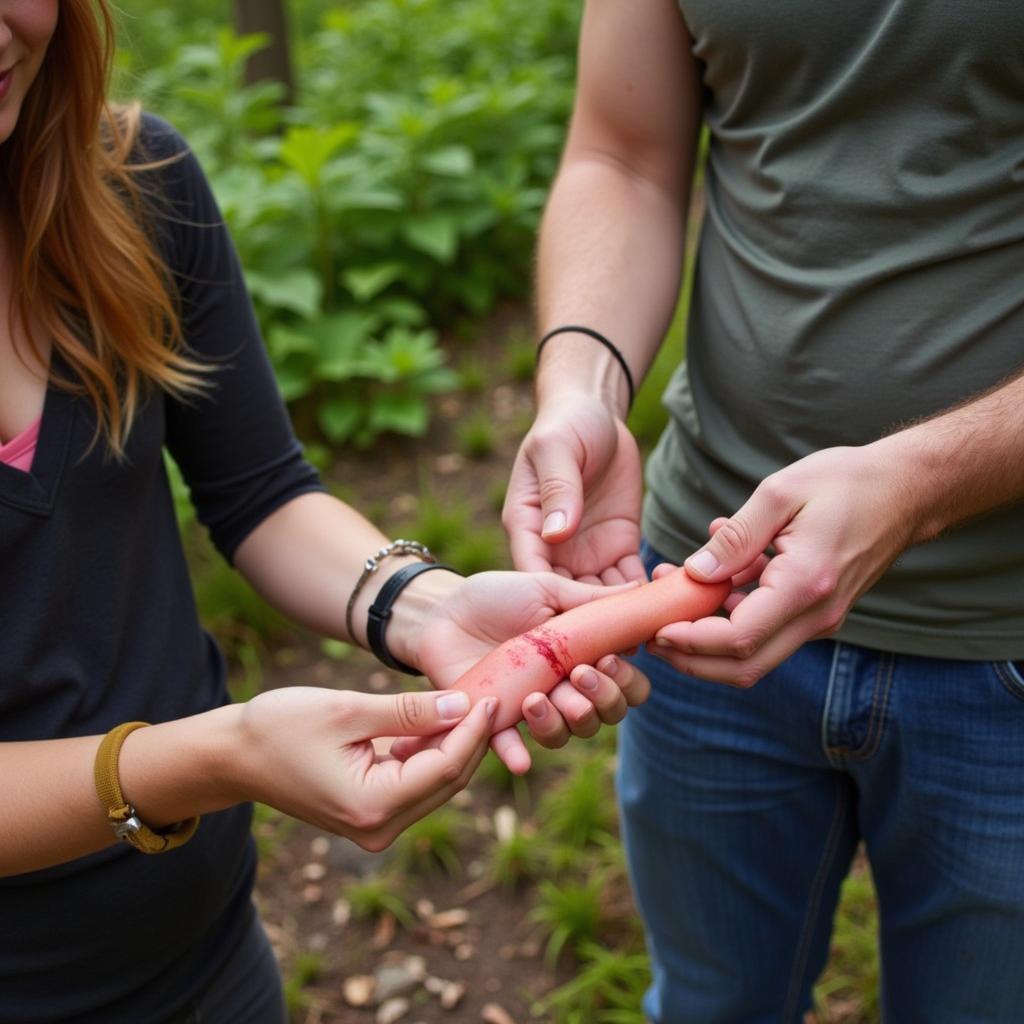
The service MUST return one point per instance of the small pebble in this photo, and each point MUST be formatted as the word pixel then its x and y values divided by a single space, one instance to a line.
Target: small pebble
pixel 341 912
pixel 453 918
pixel 492 1013
pixel 358 990
pixel 392 1010
pixel 506 824
pixel 452 994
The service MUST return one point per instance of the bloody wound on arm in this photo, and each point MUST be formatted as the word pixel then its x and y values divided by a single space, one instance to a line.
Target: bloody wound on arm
pixel 535 661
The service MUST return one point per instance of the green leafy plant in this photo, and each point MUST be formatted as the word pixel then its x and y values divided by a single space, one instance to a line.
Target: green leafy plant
pixel 477 436
pixel 580 811
pixel 271 829
pixel 401 192
pixel 521 359
pixel 377 895
pixel 607 988
pixel 570 913
pixel 852 976
pixel 449 529
pixel 473 377
pixel 304 970
pixel 432 842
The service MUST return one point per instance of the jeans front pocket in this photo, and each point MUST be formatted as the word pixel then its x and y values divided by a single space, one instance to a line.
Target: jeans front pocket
pixel 1011 675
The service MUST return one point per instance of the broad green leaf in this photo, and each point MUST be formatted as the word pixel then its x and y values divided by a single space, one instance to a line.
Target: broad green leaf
pixel 435 234
pixel 306 150
pixel 453 161
pixel 343 342
pixel 338 418
pixel 294 380
pixel 400 413
pixel 401 311
pixel 283 341
pixel 298 290
pixel 366 282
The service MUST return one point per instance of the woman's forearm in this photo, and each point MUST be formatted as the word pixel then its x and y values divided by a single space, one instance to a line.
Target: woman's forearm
pixel 49 809
pixel 307 557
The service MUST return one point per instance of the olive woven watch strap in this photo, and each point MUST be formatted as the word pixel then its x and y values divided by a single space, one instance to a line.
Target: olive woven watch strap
pixel 121 815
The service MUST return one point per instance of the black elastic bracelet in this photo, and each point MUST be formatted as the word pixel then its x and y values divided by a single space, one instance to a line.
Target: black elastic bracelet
pixel 380 612
pixel 590 333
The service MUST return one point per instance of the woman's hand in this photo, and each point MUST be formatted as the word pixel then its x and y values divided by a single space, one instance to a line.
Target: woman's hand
pixel 309 752
pixel 489 608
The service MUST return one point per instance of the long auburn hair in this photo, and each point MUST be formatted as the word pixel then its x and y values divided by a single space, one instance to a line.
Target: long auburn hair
pixel 85 263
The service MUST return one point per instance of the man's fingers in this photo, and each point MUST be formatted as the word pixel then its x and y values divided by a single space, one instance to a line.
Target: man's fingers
pixel 598 688
pixel 738 541
pixel 745 672
pixel 662 569
pixel 404 714
pixel 752 624
pixel 577 711
pixel 521 517
pixel 632 683
pixel 752 572
pixel 632 568
pixel 560 486
pixel 545 723
pixel 510 749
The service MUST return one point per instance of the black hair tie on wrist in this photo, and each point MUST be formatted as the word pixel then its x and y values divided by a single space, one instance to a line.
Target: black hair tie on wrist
pixel 590 333
pixel 380 612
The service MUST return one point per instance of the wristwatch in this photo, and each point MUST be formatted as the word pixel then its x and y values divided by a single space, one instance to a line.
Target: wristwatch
pixel 127 825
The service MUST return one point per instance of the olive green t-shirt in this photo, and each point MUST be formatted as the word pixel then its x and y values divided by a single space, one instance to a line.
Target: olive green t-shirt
pixel 861 265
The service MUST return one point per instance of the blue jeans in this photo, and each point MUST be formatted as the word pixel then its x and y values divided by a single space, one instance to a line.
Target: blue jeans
pixel 743 808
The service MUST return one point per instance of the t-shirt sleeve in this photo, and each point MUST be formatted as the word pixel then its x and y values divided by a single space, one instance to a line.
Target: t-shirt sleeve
pixel 234 443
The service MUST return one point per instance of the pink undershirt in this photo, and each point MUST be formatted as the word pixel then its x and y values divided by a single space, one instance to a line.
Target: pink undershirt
pixel 19 451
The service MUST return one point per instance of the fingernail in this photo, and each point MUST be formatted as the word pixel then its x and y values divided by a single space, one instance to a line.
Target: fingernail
pixel 703 562
pixel 491 706
pixel 538 710
pixel 610 666
pixel 587 679
pixel 662 642
pixel 554 523
pixel 452 705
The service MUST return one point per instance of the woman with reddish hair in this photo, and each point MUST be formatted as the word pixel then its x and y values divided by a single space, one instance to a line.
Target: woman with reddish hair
pixel 125 328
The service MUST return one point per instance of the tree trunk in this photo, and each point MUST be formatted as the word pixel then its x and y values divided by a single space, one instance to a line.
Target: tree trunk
pixel 274 62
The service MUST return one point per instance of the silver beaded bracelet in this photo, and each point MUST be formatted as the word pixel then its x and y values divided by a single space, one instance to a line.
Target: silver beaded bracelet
pixel 372 564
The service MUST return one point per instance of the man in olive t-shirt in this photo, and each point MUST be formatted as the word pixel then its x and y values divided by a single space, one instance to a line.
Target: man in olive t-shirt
pixel 849 425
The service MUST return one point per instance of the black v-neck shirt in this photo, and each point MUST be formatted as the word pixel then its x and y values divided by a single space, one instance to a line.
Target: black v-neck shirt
pixel 98 626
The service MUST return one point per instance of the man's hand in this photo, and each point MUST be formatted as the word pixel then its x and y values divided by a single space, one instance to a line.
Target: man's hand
pixel 836 520
pixel 573 503
pixel 491 607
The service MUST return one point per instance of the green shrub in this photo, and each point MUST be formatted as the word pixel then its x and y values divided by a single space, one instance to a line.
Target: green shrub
pixel 401 192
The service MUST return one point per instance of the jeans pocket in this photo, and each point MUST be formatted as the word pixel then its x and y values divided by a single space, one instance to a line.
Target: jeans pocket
pixel 1011 675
